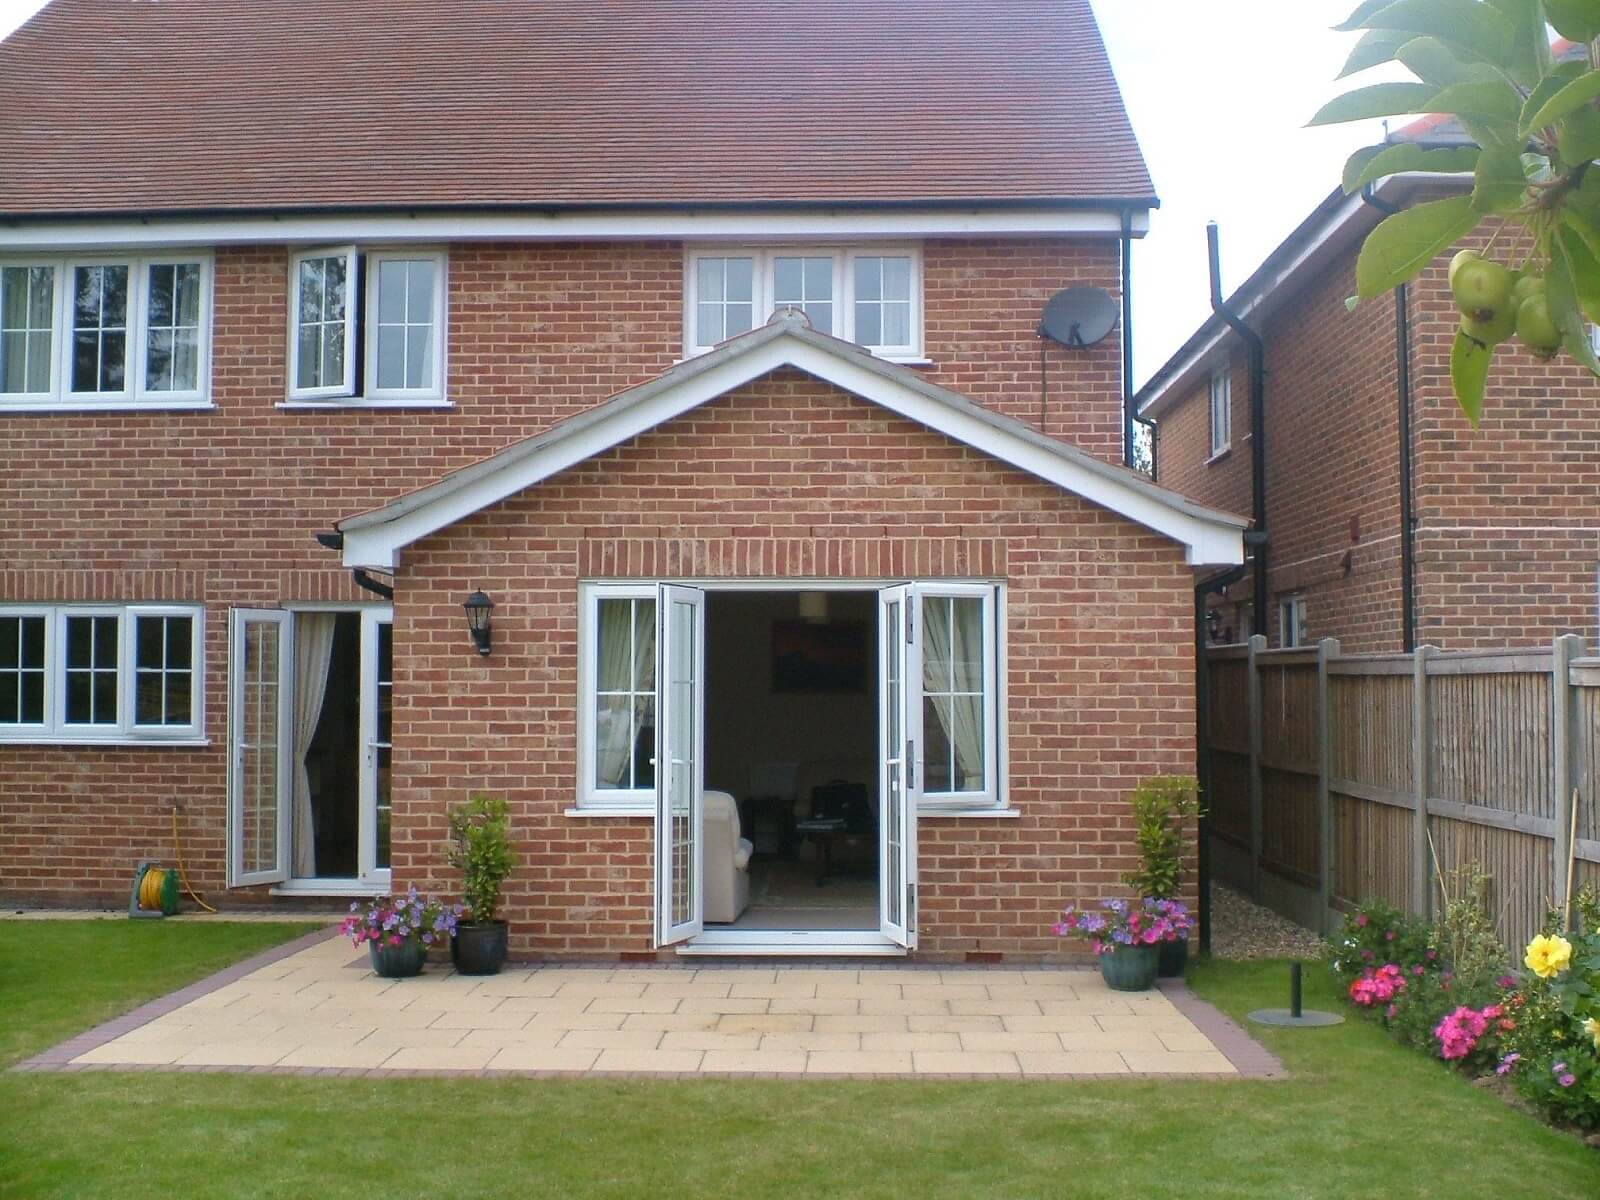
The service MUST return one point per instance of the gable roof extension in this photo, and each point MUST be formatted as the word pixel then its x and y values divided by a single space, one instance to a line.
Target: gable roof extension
pixel 375 539
pixel 185 106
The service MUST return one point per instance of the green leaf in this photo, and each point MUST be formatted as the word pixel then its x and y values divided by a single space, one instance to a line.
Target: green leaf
pixel 1575 19
pixel 1377 46
pixel 1469 375
pixel 1497 101
pixel 1398 249
pixel 1483 32
pixel 1582 224
pixel 1561 296
pixel 1547 87
pixel 1376 162
pixel 1501 182
pixel 1566 100
pixel 1376 100
pixel 1431 61
pixel 1579 135
pixel 1358 18
pixel 1528 57
pixel 1585 270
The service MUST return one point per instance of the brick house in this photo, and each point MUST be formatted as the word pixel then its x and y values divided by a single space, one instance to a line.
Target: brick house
pixel 733 412
pixel 1495 539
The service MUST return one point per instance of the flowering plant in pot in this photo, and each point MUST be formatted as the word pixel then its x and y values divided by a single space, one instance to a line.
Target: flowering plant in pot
pixel 399 930
pixel 1127 937
pixel 480 848
pixel 1161 805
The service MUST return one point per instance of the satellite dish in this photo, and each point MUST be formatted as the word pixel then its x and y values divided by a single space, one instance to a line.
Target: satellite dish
pixel 1079 316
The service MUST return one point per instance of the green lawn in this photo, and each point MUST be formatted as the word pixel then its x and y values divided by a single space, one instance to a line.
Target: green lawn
pixel 1362 1116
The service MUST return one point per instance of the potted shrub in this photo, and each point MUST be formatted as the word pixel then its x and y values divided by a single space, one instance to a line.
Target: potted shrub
pixel 399 931
pixel 480 848
pixel 1161 805
pixel 1127 937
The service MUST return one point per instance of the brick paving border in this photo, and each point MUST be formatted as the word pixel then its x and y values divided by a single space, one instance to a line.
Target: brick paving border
pixel 1249 1058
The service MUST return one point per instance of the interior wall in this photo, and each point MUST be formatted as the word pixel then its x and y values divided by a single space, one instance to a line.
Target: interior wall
pixel 749 723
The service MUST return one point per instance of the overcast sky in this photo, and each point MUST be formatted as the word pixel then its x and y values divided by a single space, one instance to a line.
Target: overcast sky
pixel 1219 91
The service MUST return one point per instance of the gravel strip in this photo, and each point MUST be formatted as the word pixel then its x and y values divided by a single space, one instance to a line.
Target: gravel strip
pixel 1241 928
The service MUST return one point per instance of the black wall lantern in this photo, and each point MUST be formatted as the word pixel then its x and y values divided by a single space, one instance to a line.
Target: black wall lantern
pixel 478 607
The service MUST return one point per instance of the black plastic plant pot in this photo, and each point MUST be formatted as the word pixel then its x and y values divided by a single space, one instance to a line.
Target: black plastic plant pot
pixel 1174 958
pixel 479 949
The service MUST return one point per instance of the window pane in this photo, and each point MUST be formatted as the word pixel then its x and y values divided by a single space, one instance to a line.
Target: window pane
pixel 869 324
pixel 115 286
pixel 788 286
pixel 896 279
pixel 967 714
pixel 162 285
pixel 13 361
pixel 33 642
pixel 741 279
pixel 741 318
pixel 311 289
pixel 896 325
pixel 821 315
pixel 113 361
pixel 21 670
pixel 391 356
pixel 419 356
pixel 10 642
pixel 419 292
pixel 105 698
pixel 644 741
pixel 105 642
pixel 332 373
pixel 186 360
pixel 819 277
pixel 334 273
pixel 179 700
pixel 14 298
pixel 967 649
pixel 187 306
pixel 392 292
pixel 307 372
pixel 613 742
pixel 147 698
pixel 80 643
pixel 644 640
pixel 180 642
pixel 869 279
pixel 85 361
pixel 149 643
pixel 708 325
pixel 710 282
pixel 158 361
pixel 32 708
pixel 173 330
pixel 79 711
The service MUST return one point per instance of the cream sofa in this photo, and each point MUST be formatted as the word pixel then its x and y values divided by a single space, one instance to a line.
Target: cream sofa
pixel 726 861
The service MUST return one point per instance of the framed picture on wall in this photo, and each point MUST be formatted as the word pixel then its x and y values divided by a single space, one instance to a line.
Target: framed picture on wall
pixel 819 658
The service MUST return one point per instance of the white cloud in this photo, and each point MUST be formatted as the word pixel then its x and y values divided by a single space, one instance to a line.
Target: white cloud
pixel 1219 94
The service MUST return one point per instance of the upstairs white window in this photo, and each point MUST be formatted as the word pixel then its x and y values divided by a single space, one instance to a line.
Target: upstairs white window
pixel 100 672
pixel 105 333
pixel 869 296
pixel 1221 411
pixel 367 327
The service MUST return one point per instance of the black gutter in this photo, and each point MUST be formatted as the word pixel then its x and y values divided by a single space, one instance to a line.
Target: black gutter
pixel 1202 742
pixel 1256 350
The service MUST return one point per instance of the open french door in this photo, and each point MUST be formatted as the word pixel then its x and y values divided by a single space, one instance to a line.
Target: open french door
pixel 680 769
pixel 899 735
pixel 258 744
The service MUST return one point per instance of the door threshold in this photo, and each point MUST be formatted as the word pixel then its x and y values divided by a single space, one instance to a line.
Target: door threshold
pixel 793 943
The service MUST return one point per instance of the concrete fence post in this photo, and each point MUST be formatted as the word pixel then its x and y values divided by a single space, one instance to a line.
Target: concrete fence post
pixel 1258 643
pixel 1327 649
pixel 1421 861
pixel 1563 714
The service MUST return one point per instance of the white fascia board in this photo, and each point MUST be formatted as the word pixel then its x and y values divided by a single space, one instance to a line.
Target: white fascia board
pixel 1209 539
pixel 837 221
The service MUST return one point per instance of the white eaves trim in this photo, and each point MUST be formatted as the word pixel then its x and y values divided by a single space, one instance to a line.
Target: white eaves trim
pixel 836 221
pixel 1351 219
pixel 375 539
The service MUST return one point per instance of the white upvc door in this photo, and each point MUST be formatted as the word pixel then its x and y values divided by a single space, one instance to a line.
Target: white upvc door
pixel 680 769
pixel 377 734
pixel 258 743
pixel 899 739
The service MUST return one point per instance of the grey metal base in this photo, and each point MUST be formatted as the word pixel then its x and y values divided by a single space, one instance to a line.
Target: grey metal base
pixel 1308 1019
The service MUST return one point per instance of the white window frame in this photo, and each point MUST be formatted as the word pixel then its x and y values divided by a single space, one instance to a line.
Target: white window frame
pixel 361 323
pixel 844 300
pixel 17 399
pixel 55 730
pixel 593 801
pixel 1220 393
pixel 134 394
pixel 1292 622
pixel 993 728
pixel 591 796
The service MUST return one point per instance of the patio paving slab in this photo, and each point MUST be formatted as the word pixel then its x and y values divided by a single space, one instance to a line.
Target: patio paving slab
pixel 314 1006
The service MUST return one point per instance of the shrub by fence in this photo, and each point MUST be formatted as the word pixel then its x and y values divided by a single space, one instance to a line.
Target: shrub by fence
pixel 1333 778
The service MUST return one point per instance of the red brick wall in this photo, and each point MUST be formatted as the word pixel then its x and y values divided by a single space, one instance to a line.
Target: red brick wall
pixel 1100 677
pixel 221 507
pixel 1508 539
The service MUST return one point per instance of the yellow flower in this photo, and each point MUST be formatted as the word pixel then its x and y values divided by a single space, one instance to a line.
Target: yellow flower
pixel 1547 957
pixel 1592 1028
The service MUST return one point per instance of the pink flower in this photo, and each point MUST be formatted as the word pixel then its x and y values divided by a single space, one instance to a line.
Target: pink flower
pixel 395 939
pixel 1389 937
pixel 1567 1080
pixel 1363 920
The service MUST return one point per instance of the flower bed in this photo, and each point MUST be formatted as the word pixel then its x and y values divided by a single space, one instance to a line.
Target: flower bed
pixel 1443 988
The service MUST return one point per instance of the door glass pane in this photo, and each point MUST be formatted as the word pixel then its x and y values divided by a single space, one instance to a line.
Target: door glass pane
pixel 384 747
pixel 894 750
pixel 682 750
pixel 257 731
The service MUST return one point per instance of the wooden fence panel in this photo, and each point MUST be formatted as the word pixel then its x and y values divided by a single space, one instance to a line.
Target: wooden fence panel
pixel 1371 851
pixel 1229 802
pixel 1291 841
pixel 1371 725
pixel 1490 741
pixel 1518 866
pixel 1289 715
pixel 1226 707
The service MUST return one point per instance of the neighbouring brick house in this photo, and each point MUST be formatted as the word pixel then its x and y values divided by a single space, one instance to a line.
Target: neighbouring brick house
pixel 397 304
pixel 1504 535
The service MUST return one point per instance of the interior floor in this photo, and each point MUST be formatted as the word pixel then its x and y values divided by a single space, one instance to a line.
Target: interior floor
pixel 792 734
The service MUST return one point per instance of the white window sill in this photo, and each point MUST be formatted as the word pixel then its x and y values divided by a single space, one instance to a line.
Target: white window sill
pixel 364 402
pixel 900 360
pixel 329 887
pixel 926 813
pixel 83 406
pixel 1219 455
pixel 67 739
pixel 632 814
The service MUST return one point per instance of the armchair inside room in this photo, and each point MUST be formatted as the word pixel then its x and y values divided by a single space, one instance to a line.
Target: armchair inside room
pixel 727 860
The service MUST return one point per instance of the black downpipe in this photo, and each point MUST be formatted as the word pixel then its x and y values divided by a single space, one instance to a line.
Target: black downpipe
pixel 1202 742
pixel 1258 430
pixel 1408 522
